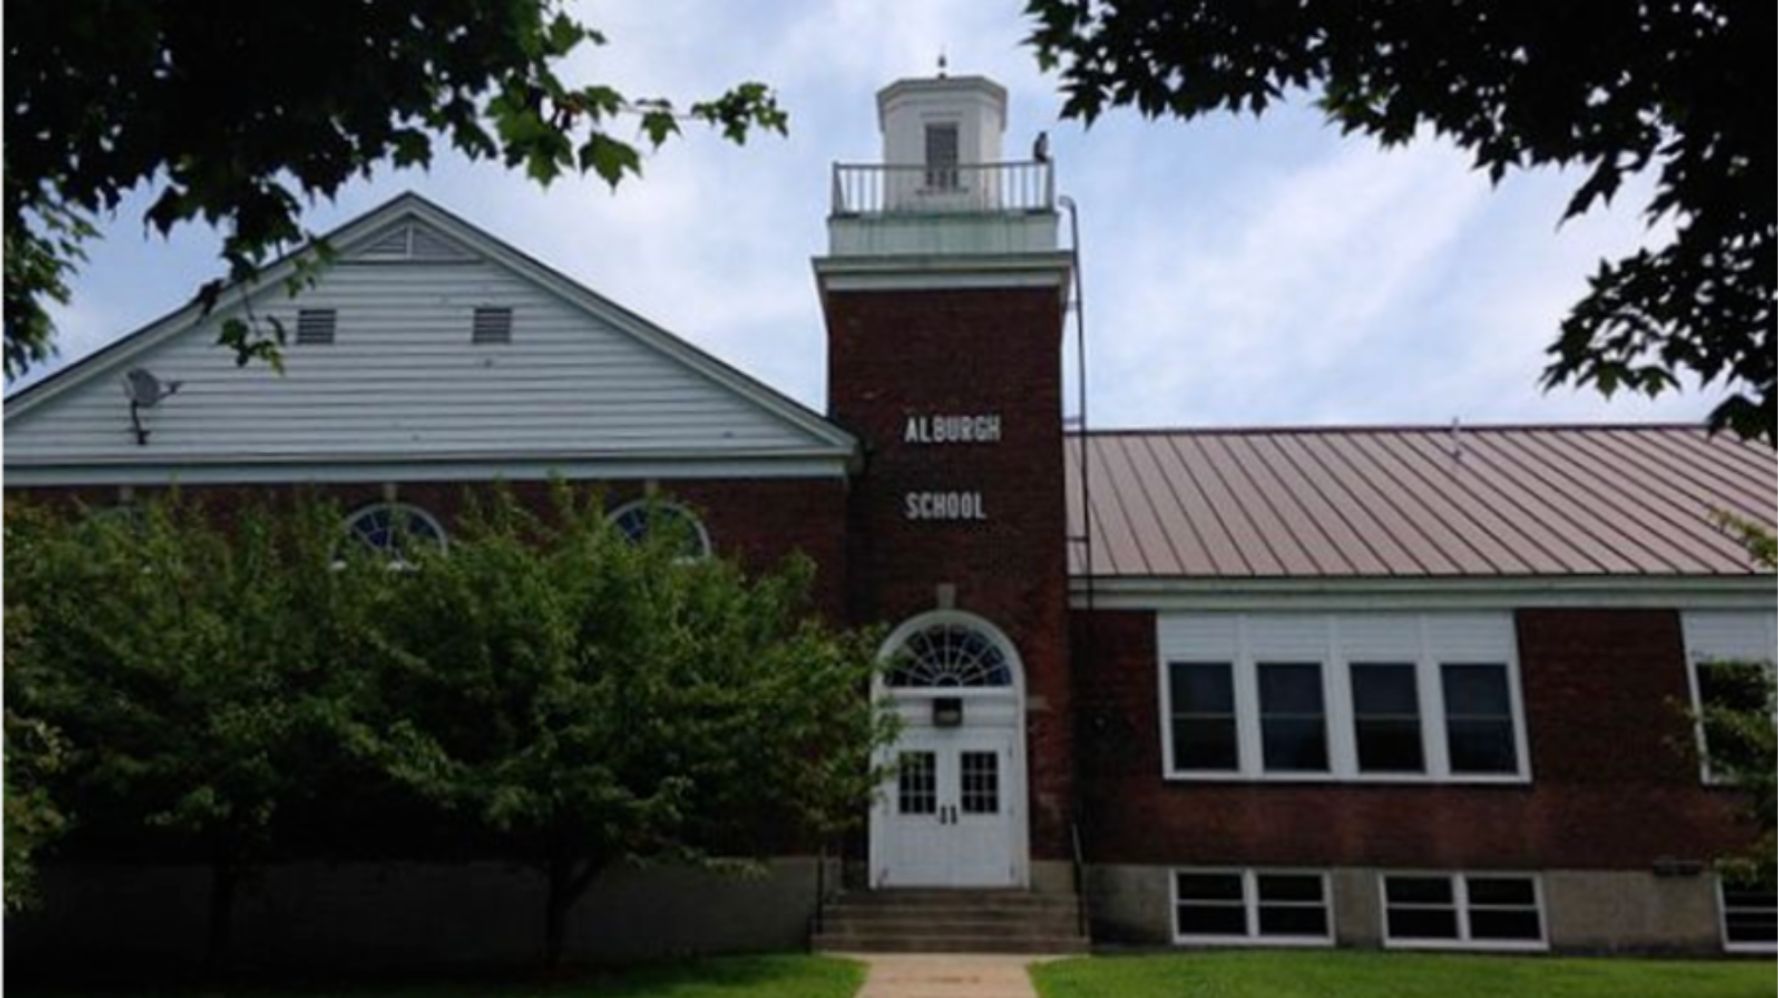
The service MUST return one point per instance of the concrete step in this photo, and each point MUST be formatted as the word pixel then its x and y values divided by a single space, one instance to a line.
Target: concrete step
pixel 869 912
pixel 825 942
pixel 1021 900
pixel 948 926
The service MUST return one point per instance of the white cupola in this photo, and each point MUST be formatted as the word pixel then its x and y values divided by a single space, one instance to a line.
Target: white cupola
pixel 943 186
pixel 942 121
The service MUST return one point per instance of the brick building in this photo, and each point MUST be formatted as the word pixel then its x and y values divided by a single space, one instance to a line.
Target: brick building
pixel 1391 686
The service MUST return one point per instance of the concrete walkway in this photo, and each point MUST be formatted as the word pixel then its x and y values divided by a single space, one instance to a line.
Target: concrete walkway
pixel 946 975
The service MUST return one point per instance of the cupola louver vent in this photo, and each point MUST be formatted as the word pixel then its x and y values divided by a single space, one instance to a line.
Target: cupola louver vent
pixel 492 325
pixel 315 325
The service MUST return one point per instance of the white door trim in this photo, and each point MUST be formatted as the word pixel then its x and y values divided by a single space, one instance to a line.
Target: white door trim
pixel 915 705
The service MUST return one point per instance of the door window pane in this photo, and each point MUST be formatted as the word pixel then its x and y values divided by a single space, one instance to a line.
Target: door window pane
pixel 1293 722
pixel 1203 721
pixel 1386 718
pixel 917 783
pixel 981 782
pixel 1479 719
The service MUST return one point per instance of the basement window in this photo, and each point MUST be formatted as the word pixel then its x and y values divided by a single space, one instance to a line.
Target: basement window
pixel 1749 917
pixel 491 325
pixel 1252 907
pixel 315 326
pixel 1463 911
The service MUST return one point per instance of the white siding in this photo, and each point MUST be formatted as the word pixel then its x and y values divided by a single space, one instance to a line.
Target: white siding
pixel 402 380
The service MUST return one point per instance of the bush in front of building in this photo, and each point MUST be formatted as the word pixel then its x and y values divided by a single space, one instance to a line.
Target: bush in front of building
pixel 542 688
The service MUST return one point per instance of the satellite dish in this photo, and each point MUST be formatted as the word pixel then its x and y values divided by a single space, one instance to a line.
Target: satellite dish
pixel 145 391
pixel 1040 150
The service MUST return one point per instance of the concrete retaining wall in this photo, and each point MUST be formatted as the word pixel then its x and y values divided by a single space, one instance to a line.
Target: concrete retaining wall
pixel 316 915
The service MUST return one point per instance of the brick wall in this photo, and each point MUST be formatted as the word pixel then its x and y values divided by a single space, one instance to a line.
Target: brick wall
pixel 897 354
pixel 758 521
pixel 1614 785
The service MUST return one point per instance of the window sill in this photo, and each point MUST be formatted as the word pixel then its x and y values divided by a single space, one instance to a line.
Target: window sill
pixel 1476 946
pixel 1246 942
pixel 1313 779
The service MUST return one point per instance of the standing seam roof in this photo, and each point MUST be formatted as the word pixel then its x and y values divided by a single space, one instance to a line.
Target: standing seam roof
pixel 1380 502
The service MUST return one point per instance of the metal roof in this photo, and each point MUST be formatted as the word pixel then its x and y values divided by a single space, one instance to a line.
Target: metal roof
pixel 1379 502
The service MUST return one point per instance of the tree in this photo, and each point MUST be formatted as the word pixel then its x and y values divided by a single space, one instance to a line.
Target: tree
pixel 1614 89
pixel 236 113
pixel 580 700
pixel 1738 717
pixel 190 662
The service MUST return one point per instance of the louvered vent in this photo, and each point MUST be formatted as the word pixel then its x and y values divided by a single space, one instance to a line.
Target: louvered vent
pixel 392 243
pixel 428 245
pixel 315 325
pixel 492 325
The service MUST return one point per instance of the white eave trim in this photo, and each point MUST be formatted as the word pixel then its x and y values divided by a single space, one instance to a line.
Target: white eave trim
pixel 443 468
pixel 1473 592
pixel 920 271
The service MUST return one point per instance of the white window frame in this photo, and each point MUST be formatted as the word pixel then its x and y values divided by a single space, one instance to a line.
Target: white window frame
pixel 1320 639
pixel 1722 926
pixel 1459 881
pixel 1722 636
pixel 396 561
pixel 697 522
pixel 1249 906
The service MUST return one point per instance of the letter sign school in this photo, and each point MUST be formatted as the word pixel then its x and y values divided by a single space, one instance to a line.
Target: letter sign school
pixel 984 429
pixel 945 506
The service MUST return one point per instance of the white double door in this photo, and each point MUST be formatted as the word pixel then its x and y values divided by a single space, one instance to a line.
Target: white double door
pixel 950 812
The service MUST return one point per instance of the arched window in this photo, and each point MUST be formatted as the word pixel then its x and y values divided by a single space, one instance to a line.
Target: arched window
pixel 393 530
pixel 642 518
pixel 950 653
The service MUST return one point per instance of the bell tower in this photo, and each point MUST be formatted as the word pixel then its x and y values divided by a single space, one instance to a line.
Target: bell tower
pixel 944 293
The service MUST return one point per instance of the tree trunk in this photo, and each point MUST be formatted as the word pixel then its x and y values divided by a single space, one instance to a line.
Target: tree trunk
pixel 566 885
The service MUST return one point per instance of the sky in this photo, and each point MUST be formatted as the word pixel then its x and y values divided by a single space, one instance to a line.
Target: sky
pixel 1237 271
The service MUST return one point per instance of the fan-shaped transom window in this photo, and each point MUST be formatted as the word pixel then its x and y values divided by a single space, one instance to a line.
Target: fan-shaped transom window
pixel 950 654
pixel 394 530
pixel 676 525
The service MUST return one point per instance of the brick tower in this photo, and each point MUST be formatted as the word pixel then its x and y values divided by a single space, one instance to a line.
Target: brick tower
pixel 944 293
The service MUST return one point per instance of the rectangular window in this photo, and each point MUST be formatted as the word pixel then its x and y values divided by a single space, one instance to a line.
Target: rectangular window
pixel 1270 907
pixel 1386 718
pixel 1362 696
pixel 1749 917
pixel 491 325
pixel 315 326
pixel 981 782
pixel 916 776
pixel 1292 717
pixel 1730 655
pixel 1479 733
pixel 942 156
pixel 1203 716
pixel 1475 911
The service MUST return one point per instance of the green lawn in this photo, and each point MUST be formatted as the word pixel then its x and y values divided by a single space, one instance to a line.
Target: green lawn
pixel 725 977
pixel 1296 974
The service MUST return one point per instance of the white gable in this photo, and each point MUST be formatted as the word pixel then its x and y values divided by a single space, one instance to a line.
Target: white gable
pixel 581 381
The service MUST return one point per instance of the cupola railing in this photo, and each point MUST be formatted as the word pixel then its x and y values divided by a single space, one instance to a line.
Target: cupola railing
pixel 866 189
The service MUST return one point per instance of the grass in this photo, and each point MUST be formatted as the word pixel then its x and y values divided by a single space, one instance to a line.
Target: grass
pixel 722 977
pixel 1226 974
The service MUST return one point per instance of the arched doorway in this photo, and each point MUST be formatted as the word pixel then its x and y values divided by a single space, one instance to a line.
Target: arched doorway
pixel 952 813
